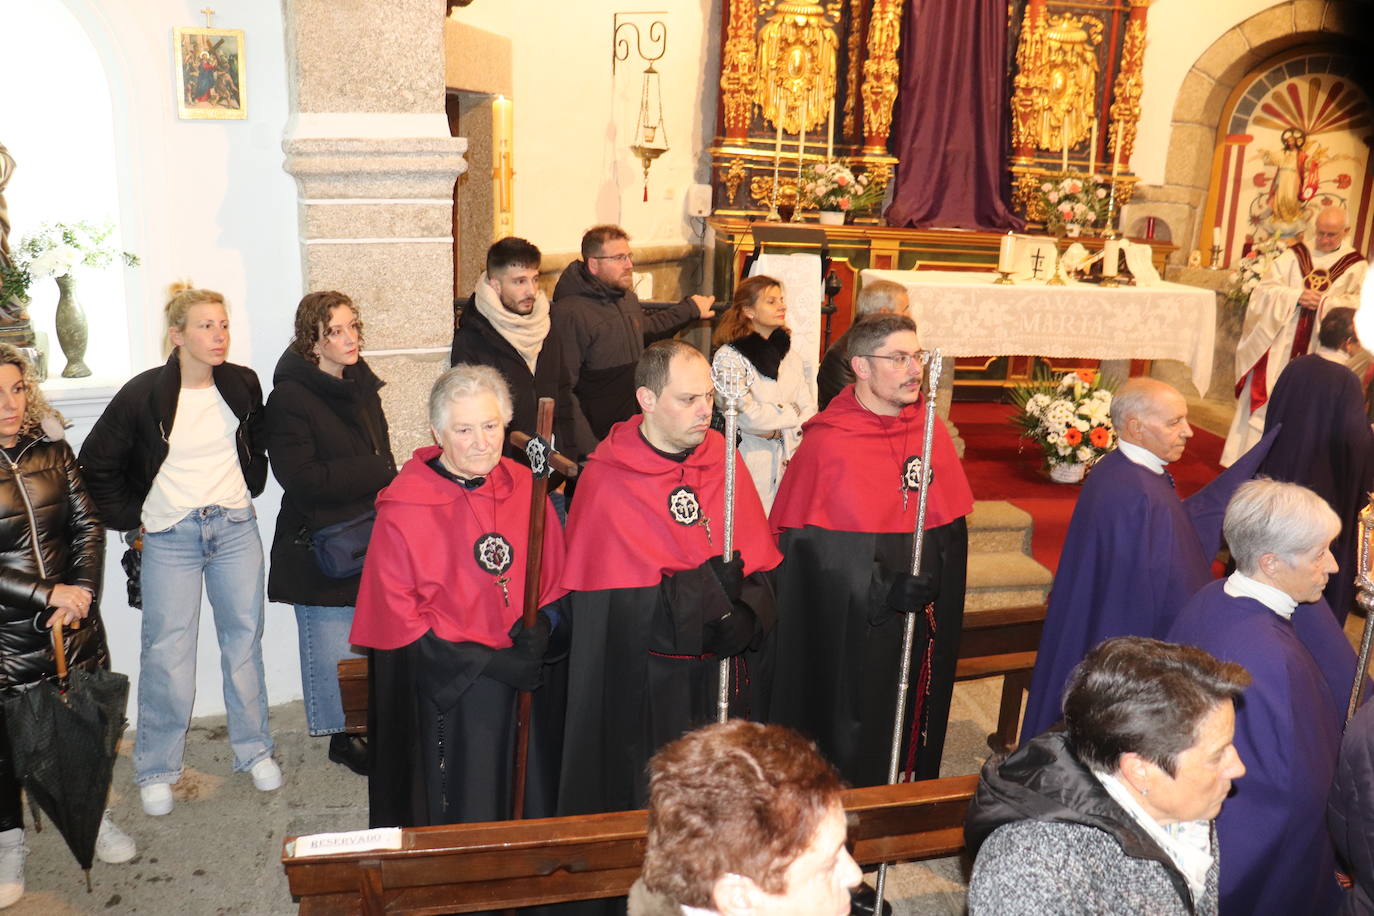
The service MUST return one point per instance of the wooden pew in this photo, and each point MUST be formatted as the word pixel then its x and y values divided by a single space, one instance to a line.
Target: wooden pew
pixel 492 866
pixel 999 642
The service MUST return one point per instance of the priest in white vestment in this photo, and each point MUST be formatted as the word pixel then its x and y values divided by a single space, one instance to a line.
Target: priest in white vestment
pixel 1285 309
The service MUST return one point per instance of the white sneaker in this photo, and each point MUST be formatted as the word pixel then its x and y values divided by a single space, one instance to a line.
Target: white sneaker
pixel 156 798
pixel 266 775
pixel 113 845
pixel 12 852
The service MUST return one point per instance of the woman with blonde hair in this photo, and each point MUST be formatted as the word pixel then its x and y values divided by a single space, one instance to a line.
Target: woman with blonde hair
pixel 52 549
pixel 179 454
pixel 780 400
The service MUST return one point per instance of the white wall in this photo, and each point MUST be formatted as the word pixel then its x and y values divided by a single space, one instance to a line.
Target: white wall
pixel 1177 34
pixel 573 121
pixel 205 200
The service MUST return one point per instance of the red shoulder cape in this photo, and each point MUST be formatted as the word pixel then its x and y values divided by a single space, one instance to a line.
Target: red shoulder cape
pixel 847 475
pixel 622 532
pixel 422 572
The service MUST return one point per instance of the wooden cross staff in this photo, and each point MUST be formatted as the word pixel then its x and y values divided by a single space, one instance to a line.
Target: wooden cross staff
pixel 542 458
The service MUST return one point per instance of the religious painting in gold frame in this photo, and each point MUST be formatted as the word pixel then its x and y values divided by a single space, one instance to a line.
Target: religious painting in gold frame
pixel 209 73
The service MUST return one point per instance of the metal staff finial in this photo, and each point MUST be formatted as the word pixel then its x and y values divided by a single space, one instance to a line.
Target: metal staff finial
pixel 934 363
pixel 733 376
pixel 1364 596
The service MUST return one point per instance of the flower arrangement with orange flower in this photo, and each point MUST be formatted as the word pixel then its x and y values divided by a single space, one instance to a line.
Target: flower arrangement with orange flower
pixel 1067 416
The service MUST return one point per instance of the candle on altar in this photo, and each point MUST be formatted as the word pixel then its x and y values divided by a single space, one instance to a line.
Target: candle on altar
pixel 1006 253
pixel 801 146
pixel 1092 151
pixel 777 144
pixel 1116 154
pixel 1064 163
pixel 1111 253
pixel 1216 236
pixel 830 133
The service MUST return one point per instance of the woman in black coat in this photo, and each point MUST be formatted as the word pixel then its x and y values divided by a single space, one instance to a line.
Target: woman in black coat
pixel 52 550
pixel 328 445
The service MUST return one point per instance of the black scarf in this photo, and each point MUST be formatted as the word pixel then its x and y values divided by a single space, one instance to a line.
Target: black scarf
pixel 765 353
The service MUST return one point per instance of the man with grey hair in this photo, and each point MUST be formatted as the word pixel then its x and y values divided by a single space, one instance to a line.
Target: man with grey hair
pixel 1135 552
pixel 876 297
pixel 439 608
pixel 1301 286
pixel 1270 617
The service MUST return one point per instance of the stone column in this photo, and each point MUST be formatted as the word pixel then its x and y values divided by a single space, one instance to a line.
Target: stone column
pixel 369 146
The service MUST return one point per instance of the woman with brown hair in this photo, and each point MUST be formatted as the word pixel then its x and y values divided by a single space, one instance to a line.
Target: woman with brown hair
pixel 780 400
pixel 330 450
pixel 179 453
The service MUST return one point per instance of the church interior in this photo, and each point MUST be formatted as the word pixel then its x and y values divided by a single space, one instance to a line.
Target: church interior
pixel 1061 185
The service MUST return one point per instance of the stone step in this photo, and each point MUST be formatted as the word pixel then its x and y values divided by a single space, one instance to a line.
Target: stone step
pixel 1004 579
pixel 997 525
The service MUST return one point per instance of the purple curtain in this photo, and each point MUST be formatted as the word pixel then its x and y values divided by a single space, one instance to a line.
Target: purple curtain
pixel 952 131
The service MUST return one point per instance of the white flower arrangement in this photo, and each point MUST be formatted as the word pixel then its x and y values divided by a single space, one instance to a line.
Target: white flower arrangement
pixel 54 250
pixel 1250 270
pixel 833 186
pixel 1068 417
pixel 1075 200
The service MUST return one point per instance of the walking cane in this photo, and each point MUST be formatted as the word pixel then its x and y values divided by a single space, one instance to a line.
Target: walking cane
pixel 541 455
pixel 933 366
pixel 733 377
pixel 1364 597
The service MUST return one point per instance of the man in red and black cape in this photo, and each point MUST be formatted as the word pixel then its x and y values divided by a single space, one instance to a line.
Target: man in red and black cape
pixel 846 511
pixel 654 607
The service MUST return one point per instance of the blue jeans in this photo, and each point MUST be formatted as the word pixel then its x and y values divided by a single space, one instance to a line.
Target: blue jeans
pixel 221 547
pixel 324 641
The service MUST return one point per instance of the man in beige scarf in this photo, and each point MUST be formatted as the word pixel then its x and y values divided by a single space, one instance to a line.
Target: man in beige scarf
pixel 505 325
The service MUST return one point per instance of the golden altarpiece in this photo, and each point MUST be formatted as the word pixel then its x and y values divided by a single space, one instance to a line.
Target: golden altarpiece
pixel 804 81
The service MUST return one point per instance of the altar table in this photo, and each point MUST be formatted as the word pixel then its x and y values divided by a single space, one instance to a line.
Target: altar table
pixel 965 314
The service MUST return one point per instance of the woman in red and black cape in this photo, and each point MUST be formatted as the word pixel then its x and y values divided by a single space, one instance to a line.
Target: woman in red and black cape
pixel 439 606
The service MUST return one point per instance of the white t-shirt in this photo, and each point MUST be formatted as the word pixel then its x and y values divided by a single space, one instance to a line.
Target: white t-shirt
pixel 202 466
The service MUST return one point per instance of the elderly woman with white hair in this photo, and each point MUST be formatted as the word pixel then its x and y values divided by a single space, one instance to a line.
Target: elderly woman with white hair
pixel 439 608
pixel 1270 617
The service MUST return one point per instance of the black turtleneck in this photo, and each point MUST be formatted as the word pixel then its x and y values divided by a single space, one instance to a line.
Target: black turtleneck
pixel 679 457
pixel 467 483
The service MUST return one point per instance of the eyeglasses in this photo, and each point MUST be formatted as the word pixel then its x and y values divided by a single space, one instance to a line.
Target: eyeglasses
pixel 901 360
pixel 618 258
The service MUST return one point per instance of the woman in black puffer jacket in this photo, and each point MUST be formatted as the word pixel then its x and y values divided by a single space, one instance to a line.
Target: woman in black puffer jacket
pixel 52 550
pixel 328 444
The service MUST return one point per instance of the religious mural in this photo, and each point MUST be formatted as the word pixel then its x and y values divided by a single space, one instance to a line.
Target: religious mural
pixel 1296 139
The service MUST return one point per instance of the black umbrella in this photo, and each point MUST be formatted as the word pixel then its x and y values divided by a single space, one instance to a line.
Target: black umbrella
pixel 63 735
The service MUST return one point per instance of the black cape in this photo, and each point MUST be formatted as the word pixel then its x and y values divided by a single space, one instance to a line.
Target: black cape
pixel 838 648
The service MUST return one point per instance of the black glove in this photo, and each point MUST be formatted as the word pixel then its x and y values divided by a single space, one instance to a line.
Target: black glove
pixel 729 575
pixel 730 634
pixel 911 593
pixel 522 664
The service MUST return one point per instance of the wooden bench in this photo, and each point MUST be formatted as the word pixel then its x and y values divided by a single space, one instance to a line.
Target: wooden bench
pixel 492 866
pixel 1002 642
pixel 995 643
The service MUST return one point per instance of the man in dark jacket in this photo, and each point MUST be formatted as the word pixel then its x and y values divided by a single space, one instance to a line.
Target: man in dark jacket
pixel 875 297
pixel 505 324
pixel 601 329
pixel 1350 811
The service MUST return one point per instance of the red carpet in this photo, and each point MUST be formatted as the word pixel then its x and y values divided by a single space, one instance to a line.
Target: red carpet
pixel 1001 465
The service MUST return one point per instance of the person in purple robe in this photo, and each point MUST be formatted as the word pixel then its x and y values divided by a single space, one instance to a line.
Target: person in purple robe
pixel 1135 553
pixel 1327 443
pixel 1269 616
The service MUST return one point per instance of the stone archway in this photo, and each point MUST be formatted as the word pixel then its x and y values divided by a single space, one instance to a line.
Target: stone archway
pixel 1202 96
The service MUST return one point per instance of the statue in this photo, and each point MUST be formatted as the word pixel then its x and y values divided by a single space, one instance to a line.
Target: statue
pixel 1294 182
pixel 12 309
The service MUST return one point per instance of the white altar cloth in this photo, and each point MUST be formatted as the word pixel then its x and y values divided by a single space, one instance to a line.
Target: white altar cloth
pixel 965 314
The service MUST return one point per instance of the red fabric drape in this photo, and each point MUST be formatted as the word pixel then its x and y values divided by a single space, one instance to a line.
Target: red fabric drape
pixel 952 132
